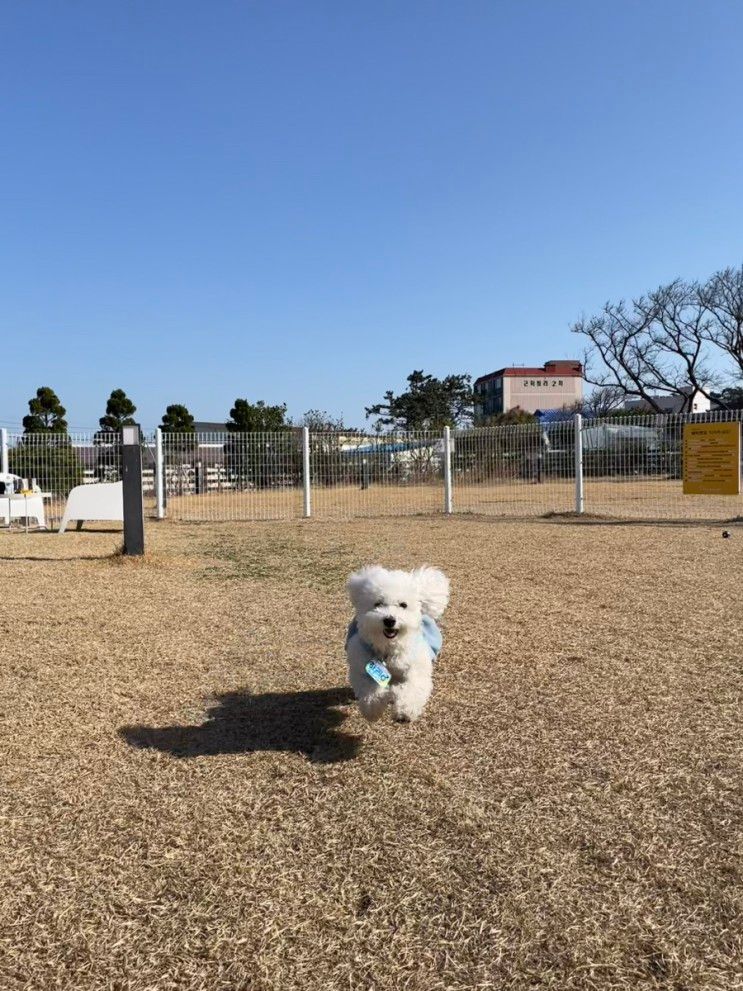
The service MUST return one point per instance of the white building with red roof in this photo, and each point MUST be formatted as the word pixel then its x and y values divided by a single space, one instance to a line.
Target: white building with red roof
pixel 555 385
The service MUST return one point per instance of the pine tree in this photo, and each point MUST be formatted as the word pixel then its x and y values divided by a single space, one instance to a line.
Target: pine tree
pixel 120 412
pixel 257 417
pixel 45 452
pixel 182 449
pixel 428 403
pixel 177 420
pixel 46 413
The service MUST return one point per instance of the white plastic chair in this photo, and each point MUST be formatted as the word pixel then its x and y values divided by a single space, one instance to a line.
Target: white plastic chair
pixel 98 501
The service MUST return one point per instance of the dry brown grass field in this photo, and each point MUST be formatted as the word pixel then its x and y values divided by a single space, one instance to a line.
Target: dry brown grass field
pixel 191 801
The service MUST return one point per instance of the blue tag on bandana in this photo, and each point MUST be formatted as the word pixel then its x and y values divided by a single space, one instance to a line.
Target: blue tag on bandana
pixel 377 671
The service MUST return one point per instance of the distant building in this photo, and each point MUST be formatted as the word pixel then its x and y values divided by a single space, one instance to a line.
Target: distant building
pixel 209 427
pixel 555 385
pixel 672 404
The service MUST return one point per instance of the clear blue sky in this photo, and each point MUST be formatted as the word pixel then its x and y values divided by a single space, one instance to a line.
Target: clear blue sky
pixel 303 201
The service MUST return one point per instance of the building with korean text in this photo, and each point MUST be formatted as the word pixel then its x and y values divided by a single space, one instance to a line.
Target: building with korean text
pixel 556 385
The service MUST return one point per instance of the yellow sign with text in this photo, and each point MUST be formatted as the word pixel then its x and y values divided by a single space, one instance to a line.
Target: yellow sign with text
pixel 712 459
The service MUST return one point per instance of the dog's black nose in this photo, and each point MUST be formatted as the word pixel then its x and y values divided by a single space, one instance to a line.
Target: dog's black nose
pixel 389 622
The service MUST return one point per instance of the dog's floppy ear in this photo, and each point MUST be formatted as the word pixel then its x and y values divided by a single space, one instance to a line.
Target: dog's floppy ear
pixel 433 590
pixel 358 583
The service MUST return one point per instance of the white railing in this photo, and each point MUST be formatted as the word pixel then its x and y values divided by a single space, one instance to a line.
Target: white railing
pixel 629 468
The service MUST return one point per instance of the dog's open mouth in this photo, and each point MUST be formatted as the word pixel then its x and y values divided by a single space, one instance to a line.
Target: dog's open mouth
pixel 390 634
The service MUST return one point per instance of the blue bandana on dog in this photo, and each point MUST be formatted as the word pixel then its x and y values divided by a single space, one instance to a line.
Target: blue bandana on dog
pixel 429 631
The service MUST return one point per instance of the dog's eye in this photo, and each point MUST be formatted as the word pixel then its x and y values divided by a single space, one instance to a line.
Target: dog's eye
pixel 378 605
pixel 403 605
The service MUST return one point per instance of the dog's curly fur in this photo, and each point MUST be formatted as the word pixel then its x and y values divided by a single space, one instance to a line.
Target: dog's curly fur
pixel 389 608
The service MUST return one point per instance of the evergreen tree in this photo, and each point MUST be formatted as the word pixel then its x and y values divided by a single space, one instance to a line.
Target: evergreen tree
pixel 120 412
pixel 427 404
pixel 46 413
pixel 180 450
pixel 45 452
pixel 177 420
pixel 257 417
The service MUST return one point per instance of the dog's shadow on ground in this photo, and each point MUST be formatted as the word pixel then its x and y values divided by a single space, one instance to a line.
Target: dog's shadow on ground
pixel 306 723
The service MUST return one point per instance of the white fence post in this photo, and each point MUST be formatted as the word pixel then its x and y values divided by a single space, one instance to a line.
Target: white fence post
pixel 4 451
pixel 579 496
pixel 447 471
pixel 159 475
pixel 306 481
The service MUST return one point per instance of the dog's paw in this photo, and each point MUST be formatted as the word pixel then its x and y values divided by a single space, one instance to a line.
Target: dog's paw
pixel 373 707
pixel 404 712
pixel 407 703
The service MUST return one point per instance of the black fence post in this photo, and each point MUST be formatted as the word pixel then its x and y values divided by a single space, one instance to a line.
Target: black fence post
pixel 131 476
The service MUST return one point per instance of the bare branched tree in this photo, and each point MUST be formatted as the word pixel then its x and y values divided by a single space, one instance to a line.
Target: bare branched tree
pixel 661 343
pixel 603 401
pixel 722 299
pixel 624 353
pixel 679 331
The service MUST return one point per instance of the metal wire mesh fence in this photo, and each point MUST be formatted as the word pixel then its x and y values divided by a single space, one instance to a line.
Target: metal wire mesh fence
pixel 372 475
pixel 633 469
pixel 623 467
pixel 514 470
pixel 232 476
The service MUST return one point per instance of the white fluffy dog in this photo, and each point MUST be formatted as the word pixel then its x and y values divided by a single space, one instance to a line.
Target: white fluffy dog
pixel 395 624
